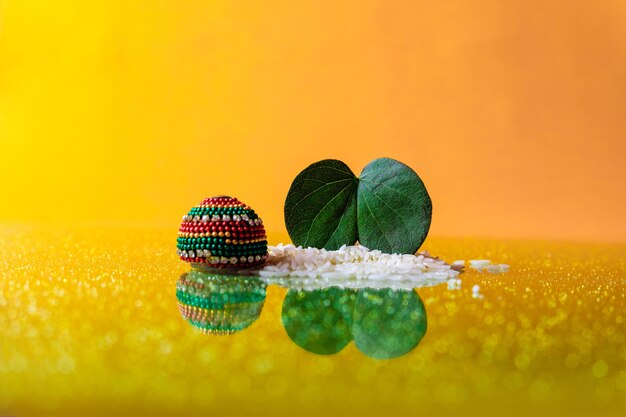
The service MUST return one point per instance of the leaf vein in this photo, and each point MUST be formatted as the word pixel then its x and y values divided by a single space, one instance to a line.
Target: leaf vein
pixel 322 209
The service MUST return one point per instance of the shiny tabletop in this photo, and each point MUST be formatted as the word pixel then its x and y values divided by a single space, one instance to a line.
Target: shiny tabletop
pixel 97 321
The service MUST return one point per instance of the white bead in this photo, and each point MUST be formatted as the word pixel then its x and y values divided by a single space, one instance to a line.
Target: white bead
pixel 205 218
pixel 215 218
pixel 226 217
pixel 236 217
pixel 224 260
pixel 251 223
pixel 250 258
pixel 242 259
pixel 196 218
pixel 233 260
pixel 245 217
pixel 257 258
pixel 192 254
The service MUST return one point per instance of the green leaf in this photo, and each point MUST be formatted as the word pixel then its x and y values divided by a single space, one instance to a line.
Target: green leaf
pixel 321 210
pixel 388 208
pixel 394 208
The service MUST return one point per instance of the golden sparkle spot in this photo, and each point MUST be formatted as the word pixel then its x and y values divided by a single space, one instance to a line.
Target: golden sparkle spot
pixel 572 360
pixel 539 390
pixel 600 369
pixel 620 380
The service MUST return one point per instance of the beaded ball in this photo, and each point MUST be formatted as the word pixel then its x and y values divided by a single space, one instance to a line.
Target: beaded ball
pixel 222 232
pixel 220 304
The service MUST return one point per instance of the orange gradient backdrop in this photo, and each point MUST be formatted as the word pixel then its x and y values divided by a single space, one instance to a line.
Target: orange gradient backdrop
pixel 512 112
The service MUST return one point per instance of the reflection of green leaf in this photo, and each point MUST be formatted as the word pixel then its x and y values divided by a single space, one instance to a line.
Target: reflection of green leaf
pixel 388 208
pixel 320 209
pixel 388 323
pixel 383 323
pixel 319 321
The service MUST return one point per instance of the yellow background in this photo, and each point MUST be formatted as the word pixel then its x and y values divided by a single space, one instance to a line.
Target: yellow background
pixel 512 112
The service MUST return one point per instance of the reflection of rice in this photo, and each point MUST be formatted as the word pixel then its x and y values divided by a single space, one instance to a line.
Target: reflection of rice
pixel 356 263
pixel 310 284
pixel 484 264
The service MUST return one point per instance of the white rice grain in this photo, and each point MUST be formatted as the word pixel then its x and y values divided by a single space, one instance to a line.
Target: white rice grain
pixel 353 263
pixel 358 267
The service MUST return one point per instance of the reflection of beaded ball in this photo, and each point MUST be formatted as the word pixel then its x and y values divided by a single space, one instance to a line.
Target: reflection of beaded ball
pixel 222 232
pixel 220 304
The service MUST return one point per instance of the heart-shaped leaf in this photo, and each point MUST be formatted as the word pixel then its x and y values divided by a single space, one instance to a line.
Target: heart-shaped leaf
pixel 320 210
pixel 394 209
pixel 387 208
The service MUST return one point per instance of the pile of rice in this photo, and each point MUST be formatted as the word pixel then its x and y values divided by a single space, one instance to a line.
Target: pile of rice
pixel 350 263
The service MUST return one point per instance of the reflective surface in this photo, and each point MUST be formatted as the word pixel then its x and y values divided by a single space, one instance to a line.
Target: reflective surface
pixel 219 304
pixel 95 321
pixel 383 323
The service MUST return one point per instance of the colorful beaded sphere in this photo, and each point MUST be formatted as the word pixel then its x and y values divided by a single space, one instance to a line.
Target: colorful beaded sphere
pixel 220 304
pixel 222 232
